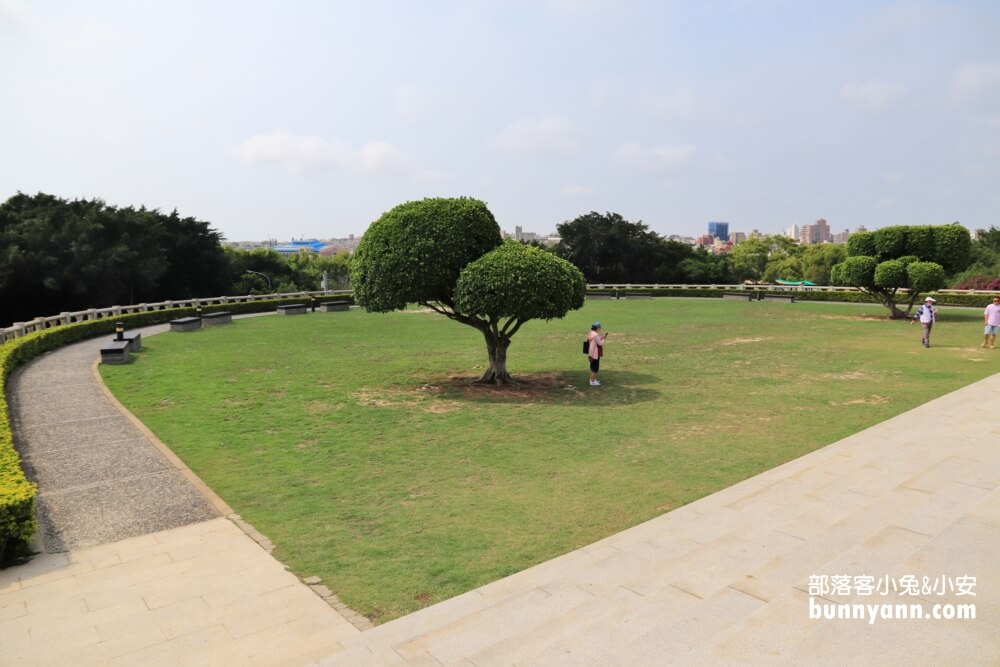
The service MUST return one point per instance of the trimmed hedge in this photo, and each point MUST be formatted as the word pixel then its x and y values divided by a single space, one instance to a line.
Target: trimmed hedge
pixel 961 300
pixel 851 297
pixel 17 494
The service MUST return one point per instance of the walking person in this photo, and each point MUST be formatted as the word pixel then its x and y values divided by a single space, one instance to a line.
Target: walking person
pixel 927 314
pixel 991 317
pixel 595 350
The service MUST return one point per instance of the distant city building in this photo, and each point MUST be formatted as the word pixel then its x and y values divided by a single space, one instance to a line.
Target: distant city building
pixel 842 236
pixel 719 230
pixel 860 228
pixel 521 235
pixel 792 232
pixel 721 247
pixel 755 234
pixel 818 232
pixel 706 241
pixel 738 237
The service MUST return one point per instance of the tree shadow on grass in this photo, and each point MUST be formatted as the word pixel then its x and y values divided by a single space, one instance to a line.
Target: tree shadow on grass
pixel 554 388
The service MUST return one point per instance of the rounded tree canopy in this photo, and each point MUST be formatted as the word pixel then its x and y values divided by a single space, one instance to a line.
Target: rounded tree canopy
pixel 416 251
pixel 855 272
pixel 522 282
pixel 891 273
pixel 925 276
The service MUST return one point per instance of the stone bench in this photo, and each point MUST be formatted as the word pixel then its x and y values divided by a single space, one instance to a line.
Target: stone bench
pixel 293 309
pixel 116 352
pixel 739 296
pixel 134 340
pixel 212 319
pixel 185 324
pixel 334 306
pixel 787 298
pixel 600 295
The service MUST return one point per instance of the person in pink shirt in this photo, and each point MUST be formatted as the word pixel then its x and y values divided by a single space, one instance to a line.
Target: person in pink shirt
pixel 595 350
pixel 991 317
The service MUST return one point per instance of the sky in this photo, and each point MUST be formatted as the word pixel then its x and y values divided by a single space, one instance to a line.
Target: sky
pixel 309 119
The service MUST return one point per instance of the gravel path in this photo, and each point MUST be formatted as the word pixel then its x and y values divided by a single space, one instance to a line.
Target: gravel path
pixel 100 479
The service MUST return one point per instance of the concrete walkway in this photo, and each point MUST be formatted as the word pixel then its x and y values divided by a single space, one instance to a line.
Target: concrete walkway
pixel 144 565
pixel 99 477
pixel 724 580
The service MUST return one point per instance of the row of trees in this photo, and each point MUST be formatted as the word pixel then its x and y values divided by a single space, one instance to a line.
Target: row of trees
pixel 892 261
pixel 610 249
pixel 58 255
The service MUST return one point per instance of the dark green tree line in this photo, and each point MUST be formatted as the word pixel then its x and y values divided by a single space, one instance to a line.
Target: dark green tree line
pixel 609 249
pixel 58 255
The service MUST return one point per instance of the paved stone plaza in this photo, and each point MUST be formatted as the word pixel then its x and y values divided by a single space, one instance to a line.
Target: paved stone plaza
pixel 144 567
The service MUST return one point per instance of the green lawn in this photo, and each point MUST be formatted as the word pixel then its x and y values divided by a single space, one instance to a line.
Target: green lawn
pixel 358 445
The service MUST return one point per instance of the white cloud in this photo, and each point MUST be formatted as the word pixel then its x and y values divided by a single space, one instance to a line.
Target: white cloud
pixel 894 177
pixel 550 136
pixel 574 6
pixel 411 104
pixel 376 156
pixel 305 153
pixel 14 10
pixel 574 190
pixel 874 96
pixel 682 103
pixel 654 157
pixel 974 79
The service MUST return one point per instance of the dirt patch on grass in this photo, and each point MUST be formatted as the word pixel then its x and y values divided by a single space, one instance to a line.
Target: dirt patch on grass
pixel 322 407
pixel 848 375
pixel 236 402
pixel 874 399
pixel 534 386
pixel 857 318
pixel 744 341
pixel 424 397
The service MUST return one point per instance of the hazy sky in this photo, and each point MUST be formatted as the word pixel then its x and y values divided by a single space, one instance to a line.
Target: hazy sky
pixel 310 119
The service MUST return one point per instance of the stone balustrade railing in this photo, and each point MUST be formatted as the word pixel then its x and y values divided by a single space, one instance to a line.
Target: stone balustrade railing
pixel 19 329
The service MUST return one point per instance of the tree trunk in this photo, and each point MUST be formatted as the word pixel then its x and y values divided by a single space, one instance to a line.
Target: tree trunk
pixel 497 371
pixel 888 298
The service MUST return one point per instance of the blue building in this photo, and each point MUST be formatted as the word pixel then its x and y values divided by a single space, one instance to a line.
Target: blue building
pixel 719 230
pixel 291 248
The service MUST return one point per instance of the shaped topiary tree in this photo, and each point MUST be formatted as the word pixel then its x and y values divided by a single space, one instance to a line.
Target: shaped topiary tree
pixel 448 255
pixel 898 264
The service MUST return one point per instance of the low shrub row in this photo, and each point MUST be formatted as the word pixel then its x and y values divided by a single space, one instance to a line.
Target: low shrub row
pixel 964 300
pixel 17 494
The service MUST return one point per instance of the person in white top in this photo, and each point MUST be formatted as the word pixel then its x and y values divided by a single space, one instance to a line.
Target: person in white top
pixel 927 314
pixel 991 317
